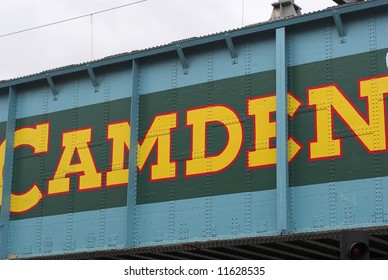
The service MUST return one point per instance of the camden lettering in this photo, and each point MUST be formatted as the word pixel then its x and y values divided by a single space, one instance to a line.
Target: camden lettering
pixel 77 159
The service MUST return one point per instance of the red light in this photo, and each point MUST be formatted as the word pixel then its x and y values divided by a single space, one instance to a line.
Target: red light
pixel 358 251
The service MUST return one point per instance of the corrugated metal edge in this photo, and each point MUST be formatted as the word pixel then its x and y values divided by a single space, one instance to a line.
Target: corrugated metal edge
pixel 196 41
pixel 317 245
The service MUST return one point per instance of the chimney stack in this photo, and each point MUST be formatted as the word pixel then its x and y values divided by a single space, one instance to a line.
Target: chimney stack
pixel 284 9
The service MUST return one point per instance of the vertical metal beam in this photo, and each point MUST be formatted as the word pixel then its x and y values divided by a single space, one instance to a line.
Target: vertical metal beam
pixel 132 180
pixel 8 175
pixel 281 130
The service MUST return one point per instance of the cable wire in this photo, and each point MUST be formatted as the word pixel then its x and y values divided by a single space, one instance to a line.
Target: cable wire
pixel 70 19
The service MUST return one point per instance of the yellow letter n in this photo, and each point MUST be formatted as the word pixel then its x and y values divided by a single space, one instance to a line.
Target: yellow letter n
pixel 370 131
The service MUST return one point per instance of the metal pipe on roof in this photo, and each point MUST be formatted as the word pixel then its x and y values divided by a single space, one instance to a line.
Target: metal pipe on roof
pixel 341 2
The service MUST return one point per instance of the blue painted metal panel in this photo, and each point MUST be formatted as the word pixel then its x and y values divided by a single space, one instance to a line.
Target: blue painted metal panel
pixel 153 224
pixel 256 54
pixel 31 101
pixel 156 73
pixel 229 219
pixel 24 238
pixel 77 91
pixel 54 240
pixel 308 208
pixel 199 63
pixel 317 34
pixel 309 205
pixel 355 206
pixel 381 27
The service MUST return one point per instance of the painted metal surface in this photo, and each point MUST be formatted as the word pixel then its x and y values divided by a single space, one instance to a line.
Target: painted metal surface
pixel 281 131
pixel 132 211
pixel 6 181
pixel 274 129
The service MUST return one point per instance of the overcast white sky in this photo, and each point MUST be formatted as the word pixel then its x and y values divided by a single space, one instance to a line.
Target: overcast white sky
pixel 143 25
